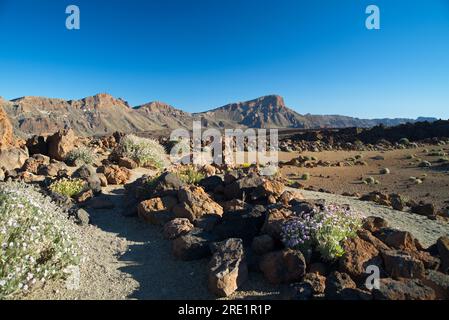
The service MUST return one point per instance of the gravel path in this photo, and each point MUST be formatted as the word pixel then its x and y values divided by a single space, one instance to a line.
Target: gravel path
pixel 128 259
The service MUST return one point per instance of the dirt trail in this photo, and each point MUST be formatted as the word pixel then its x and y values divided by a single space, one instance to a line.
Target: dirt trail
pixel 127 259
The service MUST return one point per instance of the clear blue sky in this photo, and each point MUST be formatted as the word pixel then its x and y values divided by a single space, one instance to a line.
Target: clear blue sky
pixel 200 54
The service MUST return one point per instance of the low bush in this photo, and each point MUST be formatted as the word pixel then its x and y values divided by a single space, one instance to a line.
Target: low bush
pixel 190 174
pixel 323 231
pixel 81 154
pixel 384 171
pixel 68 187
pixel 305 176
pixel 37 241
pixel 146 152
pixel 424 164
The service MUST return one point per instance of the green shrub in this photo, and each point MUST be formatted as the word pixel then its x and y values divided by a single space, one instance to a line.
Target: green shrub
pixel 370 180
pixel 190 174
pixel 146 152
pixel 404 141
pixel 424 164
pixel 37 241
pixel 305 176
pixel 384 171
pixel 81 154
pixel 68 187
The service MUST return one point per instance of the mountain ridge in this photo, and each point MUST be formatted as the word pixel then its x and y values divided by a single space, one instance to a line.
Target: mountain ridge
pixel 103 113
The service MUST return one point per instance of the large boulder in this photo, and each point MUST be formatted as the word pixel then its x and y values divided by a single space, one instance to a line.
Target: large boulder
pixel 157 210
pixel 61 143
pixel 193 246
pixel 284 266
pixel 443 250
pixel 374 224
pixel 54 169
pixel 227 269
pixel 89 174
pixel 6 131
pixel 176 228
pixel 403 289
pixel 274 220
pixel 244 186
pixel 194 203
pixel 359 254
pixel 244 224
pixel 337 283
pixel 32 164
pixel 424 209
pixel 13 158
pixel 400 264
pixel 167 184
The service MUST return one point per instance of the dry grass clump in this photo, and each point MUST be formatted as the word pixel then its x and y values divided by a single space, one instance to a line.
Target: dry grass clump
pixel 146 152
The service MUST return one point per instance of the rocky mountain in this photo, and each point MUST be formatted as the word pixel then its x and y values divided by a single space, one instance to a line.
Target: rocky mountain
pixel 271 112
pixel 102 113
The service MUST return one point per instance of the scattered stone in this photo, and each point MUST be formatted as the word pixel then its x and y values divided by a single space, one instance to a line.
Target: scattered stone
pixel 82 217
pixel 283 266
pixel 374 224
pixel 127 163
pixel 176 228
pixel 426 209
pixel 227 269
pixel 115 175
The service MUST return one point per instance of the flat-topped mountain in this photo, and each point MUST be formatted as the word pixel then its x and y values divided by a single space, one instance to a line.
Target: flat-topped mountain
pixel 103 113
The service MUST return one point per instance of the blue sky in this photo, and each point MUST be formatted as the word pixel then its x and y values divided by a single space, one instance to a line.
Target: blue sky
pixel 201 54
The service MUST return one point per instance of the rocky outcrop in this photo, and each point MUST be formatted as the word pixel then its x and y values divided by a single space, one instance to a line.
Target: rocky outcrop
pixel 61 143
pixel 6 131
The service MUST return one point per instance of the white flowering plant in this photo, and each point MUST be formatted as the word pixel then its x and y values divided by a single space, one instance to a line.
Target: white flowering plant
pixel 146 152
pixel 323 230
pixel 37 240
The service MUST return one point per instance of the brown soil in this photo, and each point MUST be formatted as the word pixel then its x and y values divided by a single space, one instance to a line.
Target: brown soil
pixel 434 189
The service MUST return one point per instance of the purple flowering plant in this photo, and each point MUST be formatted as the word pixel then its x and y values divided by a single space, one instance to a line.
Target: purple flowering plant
pixel 323 230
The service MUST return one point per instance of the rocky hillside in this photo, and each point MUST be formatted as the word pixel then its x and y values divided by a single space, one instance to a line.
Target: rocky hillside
pixel 102 114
